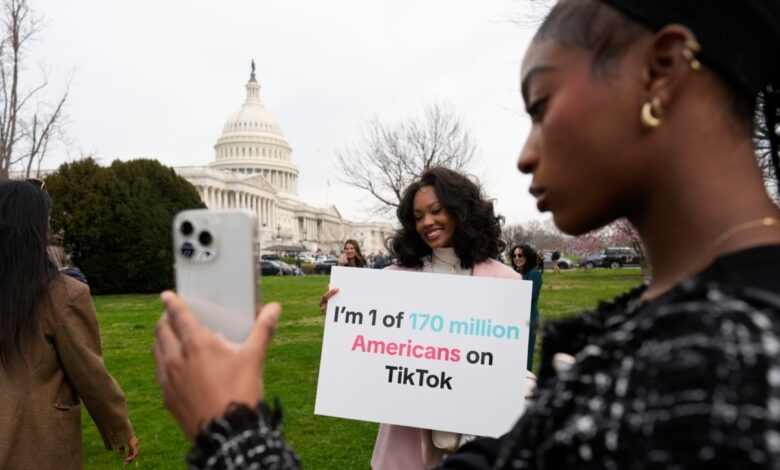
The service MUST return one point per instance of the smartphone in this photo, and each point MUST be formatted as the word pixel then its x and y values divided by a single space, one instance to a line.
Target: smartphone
pixel 215 262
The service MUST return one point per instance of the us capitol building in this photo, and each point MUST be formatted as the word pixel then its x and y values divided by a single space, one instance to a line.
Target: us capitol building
pixel 253 170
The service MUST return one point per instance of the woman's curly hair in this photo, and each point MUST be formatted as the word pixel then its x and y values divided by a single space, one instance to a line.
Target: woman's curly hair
pixel 477 227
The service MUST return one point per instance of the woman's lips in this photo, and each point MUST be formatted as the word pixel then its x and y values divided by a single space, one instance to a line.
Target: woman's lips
pixel 433 234
pixel 541 197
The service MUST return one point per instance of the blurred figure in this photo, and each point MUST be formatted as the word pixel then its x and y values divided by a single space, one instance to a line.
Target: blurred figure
pixel 379 261
pixel 352 255
pixel 555 257
pixel 50 354
pixel 62 261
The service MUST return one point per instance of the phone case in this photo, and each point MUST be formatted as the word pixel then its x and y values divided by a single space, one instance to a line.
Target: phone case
pixel 216 268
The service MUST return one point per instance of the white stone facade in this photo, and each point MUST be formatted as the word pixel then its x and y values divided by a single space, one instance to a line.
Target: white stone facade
pixel 253 170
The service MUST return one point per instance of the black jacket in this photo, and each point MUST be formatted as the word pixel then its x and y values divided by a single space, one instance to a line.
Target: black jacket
pixel 688 381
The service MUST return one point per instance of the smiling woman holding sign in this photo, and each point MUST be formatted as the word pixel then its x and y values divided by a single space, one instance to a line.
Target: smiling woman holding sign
pixel 447 227
pixel 658 101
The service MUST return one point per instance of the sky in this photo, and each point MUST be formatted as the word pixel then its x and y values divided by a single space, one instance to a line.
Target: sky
pixel 158 79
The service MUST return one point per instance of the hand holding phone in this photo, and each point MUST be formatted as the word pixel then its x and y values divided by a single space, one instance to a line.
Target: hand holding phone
pixel 201 374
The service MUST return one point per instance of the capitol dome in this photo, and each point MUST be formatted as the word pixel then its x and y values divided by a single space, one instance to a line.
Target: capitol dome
pixel 253 143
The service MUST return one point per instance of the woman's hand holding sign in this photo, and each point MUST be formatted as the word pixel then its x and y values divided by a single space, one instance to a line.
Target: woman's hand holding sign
pixel 325 297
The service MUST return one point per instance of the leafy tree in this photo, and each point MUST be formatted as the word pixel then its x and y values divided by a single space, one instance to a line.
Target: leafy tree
pixel 116 221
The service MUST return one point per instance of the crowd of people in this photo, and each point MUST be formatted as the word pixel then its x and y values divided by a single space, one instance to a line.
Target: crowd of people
pixel 658 102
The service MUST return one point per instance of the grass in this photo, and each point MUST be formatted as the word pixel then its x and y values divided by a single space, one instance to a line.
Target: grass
pixel 127 330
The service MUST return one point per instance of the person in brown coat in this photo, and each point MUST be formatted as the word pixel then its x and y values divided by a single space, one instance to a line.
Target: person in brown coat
pixel 50 353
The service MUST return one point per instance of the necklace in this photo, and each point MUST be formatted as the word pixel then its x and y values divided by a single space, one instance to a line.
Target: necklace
pixel 764 222
pixel 453 267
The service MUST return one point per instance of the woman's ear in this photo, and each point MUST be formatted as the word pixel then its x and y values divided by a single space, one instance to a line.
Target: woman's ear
pixel 671 59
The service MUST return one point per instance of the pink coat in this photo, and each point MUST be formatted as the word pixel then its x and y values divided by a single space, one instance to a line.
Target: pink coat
pixel 405 448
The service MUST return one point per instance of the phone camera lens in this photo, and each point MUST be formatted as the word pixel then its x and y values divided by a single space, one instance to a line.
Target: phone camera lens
pixel 205 238
pixel 187 250
pixel 186 228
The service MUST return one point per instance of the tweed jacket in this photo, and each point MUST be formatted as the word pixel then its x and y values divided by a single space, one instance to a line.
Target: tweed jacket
pixel 40 412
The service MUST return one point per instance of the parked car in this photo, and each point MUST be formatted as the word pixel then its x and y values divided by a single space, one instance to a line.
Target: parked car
pixel 563 263
pixel 324 266
pixel 593 260
pixel 269 268
pixel 612 257
pixel 619 256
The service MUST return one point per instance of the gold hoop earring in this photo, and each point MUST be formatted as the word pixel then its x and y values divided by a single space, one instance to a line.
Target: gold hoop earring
pixel 651 114
pixel 689 51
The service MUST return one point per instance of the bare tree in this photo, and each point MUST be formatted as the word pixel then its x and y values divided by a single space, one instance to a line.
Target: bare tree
pixel 27 124
pixel 388 157
pixel 542 235
pixel 513 235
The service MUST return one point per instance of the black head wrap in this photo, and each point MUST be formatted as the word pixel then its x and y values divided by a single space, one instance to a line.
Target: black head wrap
pixel 740 39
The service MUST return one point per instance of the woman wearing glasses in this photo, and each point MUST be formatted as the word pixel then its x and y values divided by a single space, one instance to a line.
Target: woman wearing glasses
pixel 50 354
pixel 525 261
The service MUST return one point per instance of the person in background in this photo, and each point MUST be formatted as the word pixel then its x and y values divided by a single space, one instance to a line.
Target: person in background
pixel 555 257
pixel 50 354
pixel 524 261
pixel 659 102
pixel 352 255
pixel 62 261
pixel 379 261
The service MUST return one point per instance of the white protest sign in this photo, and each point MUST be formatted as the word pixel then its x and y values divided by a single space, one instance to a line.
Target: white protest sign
pixel 432 351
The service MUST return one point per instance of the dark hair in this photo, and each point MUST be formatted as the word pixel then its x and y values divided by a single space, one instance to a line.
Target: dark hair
pixel 25 268
pixel 605 30
pixel 477 227
pixel 530 255
pixel 593 26
pixel 360 261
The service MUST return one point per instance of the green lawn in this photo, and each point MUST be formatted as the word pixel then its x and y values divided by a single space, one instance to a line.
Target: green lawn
pixel 127 328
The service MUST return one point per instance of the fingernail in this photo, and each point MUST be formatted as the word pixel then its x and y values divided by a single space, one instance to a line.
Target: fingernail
pixel 165 296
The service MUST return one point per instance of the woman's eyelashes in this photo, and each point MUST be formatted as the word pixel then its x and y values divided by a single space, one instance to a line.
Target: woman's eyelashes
pixel 536 109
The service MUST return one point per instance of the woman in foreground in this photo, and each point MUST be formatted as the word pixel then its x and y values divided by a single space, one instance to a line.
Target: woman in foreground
pixel 50 355
pixel 655 101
